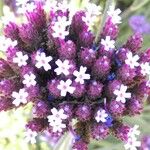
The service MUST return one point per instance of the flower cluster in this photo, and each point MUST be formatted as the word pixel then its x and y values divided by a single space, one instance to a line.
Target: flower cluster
pixel 56 65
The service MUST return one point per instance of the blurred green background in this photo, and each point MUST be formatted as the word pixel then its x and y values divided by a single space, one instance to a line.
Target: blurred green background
pixel 12 123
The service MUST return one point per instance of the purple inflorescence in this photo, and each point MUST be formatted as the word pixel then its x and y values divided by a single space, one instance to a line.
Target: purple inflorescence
pixel 57 66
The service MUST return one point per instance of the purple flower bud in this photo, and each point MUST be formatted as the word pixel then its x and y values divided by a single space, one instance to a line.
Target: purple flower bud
pixel 122 54
pixel 99 131
pixel 121 132
pixel 86 39
pixel 95 90
pixel 112 86
pixel 52 87
pixel 37 124
pixel 134 43
pixel 41 109
pixel 7 86
pixel 110 29
pixel 80 145
pixel 12 31
pixel 87 57
pixel 5 69
pixel 68 109
pixel 79 89
pixel 102 67
pixel 116 108
pixel 67 50
pixel 33 93
pixel 134 106
pixel 38 17
pixel 83 112
pixel 126 74
pixel 29 35
pixel 77 24
pixel 5 104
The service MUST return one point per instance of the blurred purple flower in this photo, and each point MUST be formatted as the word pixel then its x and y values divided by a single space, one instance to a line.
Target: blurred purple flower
pixel 145 145
pixel 139 23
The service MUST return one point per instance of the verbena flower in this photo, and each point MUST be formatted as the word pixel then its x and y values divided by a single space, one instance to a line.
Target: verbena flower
pixel 139 23
pixel 67 76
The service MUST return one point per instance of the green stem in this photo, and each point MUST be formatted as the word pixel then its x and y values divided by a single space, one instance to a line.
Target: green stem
pixel 102 23
pixel 38 145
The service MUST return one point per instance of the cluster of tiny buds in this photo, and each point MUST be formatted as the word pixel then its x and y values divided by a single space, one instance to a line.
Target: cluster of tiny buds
pixel 53 62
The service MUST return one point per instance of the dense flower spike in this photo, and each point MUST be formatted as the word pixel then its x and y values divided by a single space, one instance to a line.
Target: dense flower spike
pixel 54 63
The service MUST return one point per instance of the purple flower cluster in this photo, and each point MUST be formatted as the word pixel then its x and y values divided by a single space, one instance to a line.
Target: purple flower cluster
pixel 139 24
pixel 57 66
pixel 145 145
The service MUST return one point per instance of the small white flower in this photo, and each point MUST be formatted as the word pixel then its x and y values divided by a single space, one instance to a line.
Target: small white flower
pixel 5 43
pixel 20 97
pixel 132 60
pixel 132 144
pixel 20 59
pixel 121 94
pixel 30 136
pixel 101 115
pixel 29 80
pixel 43 61
pixel 114 14
pixel 63 67
pixel 89 20
pixel 59 27
pixel 93 9
pixel 134 131
pixel 21 2
pixel 55 120
pixel 108 43
pixel 145 68
pixel 65 87
pixel 81 75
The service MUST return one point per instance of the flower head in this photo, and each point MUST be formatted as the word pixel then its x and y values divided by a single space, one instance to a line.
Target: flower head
pixel 30 136
pixel 108 43
pixel 43 61
pixel 29 80
pixel 114 14
pixel 20 59
pixel 81 75
pixel 55 120
pixel 65 86
pixel 132 60
pixel 101 115
pixel 63 67
pixel 145 68
pixel 121 94
pixel 20 97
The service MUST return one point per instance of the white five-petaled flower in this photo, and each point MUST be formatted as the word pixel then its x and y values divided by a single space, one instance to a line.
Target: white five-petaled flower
pixel 59 27
pixel 121 94
pixel 20 59
pixel 63 67
pixel 134 131
pixel 29 80
pixel 101 115
pixel 132 60
pixel 81 75
pixel 43 61
pixel 89 20
pixel 114 14
pixel 55 120
pixel 20 97
pixel 93 9
pixel 108 43
pixel 132 144
pixel 30 136
pixel 5 43
pixel 145 68
pixel 65 86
